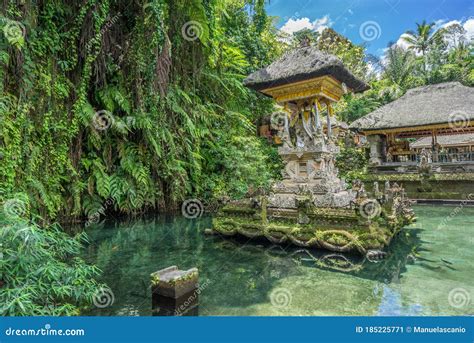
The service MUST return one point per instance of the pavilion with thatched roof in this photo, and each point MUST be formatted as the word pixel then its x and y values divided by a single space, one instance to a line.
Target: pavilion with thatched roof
pixel 429 129
pixel 427 112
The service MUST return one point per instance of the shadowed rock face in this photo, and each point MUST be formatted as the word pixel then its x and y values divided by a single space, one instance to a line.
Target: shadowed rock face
pixel 303 64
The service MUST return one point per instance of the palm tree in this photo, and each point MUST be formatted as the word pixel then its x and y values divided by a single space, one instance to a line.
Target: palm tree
pixel 399 65
pixel 422 39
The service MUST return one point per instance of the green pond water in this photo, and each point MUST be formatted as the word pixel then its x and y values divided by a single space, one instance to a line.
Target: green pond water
pixel 429 269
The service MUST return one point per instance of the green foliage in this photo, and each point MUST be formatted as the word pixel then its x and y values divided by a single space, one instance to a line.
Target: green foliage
pixel 304 36
pixel 351 163
pixel 353 56
pixel 399 68
pixel 110 100
pixel 40 273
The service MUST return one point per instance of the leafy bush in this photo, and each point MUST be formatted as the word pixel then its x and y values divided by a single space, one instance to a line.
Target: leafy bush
pixel 351 163
pixel 40 273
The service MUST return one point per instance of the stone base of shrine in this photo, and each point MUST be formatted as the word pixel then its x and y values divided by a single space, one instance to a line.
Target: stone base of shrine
pixel 338 230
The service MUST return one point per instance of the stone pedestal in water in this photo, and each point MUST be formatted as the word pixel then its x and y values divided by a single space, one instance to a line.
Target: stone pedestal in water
pixel 175 292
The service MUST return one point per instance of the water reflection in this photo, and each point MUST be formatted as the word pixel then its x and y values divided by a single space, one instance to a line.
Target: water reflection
pixel 401 252
pixel 241 275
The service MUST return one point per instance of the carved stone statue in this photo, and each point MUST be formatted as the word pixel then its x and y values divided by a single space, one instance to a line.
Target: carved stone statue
pixel 310 161
pixel 424 166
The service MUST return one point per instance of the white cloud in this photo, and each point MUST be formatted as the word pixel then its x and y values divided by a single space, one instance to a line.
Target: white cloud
pixel 292 25
pixel 295 25
pixel 468 25
pixel 402 43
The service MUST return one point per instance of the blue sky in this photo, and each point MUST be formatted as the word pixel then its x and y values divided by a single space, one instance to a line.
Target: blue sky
pixel 375 22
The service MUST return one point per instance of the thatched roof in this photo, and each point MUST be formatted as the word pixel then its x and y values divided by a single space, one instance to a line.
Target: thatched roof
pixel 449 102
pixel 445 141
pixel 303 64
pixel 334 122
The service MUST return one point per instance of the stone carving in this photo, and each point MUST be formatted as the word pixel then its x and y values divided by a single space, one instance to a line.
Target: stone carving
pixel 291 169
pixel 424 166
pixel 320 188
pixel 310 162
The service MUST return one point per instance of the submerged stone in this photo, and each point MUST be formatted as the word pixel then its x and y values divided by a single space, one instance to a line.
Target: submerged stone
pixel 174 283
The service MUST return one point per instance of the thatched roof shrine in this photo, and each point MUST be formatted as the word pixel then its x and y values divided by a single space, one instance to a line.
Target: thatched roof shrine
pixel 303 64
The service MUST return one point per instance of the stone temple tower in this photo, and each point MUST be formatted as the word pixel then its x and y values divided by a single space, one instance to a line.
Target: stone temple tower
pixel 311 206
pixel 307 82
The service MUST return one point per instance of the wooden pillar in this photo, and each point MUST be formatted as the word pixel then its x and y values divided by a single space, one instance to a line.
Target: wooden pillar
pixel 434 143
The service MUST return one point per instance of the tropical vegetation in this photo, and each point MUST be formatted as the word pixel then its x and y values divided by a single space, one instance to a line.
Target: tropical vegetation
pixel 127 107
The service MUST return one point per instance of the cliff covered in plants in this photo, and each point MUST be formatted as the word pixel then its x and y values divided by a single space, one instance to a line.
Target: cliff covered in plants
pixel 139 103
